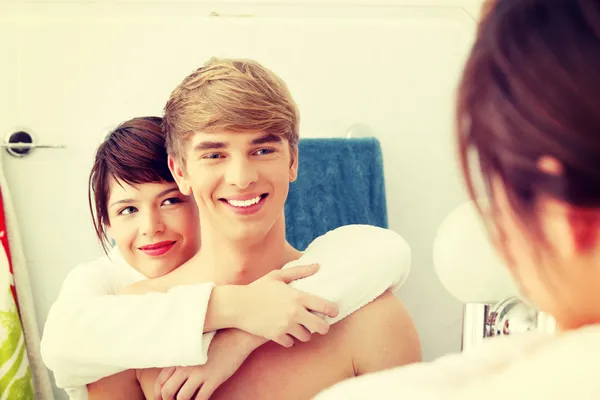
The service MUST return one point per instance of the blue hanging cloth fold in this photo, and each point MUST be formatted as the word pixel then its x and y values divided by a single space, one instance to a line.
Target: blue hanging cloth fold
pixel 340 182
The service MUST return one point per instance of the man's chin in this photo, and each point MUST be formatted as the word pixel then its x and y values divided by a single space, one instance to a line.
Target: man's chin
pixel 248 233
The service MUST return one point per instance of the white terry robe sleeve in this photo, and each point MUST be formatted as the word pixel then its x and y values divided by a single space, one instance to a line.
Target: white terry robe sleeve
pixel 90 333
pixel 358 263
pixel 503 367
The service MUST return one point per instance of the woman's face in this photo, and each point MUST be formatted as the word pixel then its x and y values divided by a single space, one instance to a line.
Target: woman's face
pixel 516 247
pixel 154 226
pixel 559 278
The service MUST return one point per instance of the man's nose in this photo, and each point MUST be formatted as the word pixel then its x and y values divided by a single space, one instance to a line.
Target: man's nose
pixel 241 173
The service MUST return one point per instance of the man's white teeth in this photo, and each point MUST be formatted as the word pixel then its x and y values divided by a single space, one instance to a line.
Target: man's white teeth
pixel 244 203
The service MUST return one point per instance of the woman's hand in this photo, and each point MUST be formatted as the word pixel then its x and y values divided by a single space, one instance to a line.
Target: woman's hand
pixel 195 382
pixel 270 308
pixel 228 350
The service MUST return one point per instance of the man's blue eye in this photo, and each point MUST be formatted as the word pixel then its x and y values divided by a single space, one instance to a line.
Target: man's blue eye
pixel 264 151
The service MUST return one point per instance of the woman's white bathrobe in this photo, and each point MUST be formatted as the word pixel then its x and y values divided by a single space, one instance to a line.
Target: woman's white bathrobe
pixel 91 333
pixel 529 366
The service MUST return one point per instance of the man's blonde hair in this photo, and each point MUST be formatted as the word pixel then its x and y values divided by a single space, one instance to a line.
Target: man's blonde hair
pixel 229 95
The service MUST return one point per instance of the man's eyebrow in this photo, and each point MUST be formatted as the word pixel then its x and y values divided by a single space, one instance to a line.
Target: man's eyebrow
pixel 268 138
pixel 210 146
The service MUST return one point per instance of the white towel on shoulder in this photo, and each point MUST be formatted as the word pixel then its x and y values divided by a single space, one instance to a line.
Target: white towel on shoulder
pixel 390 258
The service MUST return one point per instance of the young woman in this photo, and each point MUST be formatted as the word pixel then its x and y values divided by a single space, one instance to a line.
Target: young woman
pixel 97 329
pixel 528 109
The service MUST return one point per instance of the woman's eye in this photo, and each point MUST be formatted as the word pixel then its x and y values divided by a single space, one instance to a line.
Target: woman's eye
pixel 172 200
pixel 127 210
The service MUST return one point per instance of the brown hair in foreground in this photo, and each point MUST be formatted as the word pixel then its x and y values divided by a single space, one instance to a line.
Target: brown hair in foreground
pixel 531 89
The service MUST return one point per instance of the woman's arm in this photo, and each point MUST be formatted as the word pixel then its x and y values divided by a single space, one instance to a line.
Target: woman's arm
pixel 142 327
pixel 91 333
pixel 222 309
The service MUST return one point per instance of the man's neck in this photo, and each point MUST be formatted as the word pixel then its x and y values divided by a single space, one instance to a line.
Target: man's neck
pixel 244 261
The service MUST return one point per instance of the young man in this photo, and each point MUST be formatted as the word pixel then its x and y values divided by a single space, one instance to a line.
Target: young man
pixel 232 136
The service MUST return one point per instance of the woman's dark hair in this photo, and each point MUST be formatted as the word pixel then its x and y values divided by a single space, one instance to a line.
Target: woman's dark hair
pixel 133 153
pixel 531 88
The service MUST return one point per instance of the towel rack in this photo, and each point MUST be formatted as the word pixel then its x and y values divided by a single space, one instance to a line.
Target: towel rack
pixel 20 143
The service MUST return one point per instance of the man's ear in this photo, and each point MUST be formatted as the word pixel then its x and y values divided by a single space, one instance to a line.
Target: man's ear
pixel 294 166
pixel 180 176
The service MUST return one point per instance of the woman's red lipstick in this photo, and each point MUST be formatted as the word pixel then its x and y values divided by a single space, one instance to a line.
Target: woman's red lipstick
pixel 157 249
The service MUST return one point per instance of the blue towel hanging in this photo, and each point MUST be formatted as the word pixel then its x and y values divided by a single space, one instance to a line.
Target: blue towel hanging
pixel 340 182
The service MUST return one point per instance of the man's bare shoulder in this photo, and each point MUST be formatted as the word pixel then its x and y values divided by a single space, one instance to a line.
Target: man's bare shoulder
pixel 381 335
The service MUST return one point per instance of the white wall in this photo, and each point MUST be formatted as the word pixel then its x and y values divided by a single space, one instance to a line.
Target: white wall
pixel 71 70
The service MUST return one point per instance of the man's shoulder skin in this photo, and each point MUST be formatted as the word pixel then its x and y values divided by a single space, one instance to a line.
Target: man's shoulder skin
pixel 381 335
